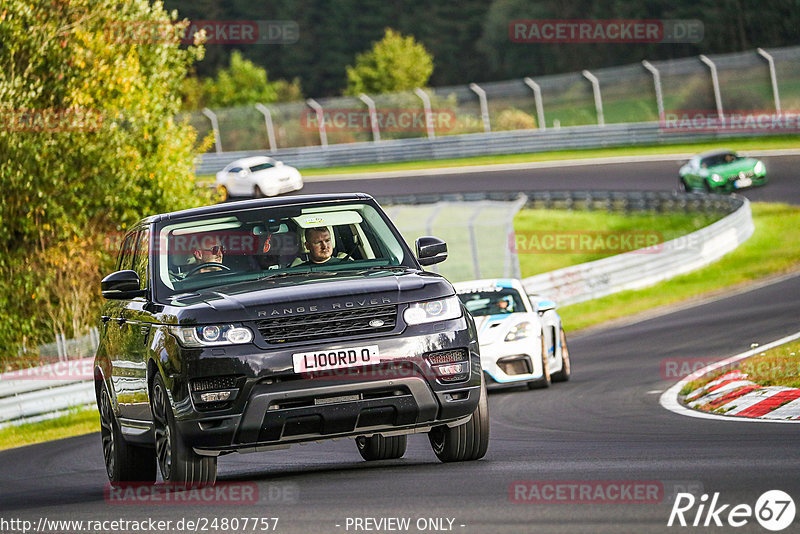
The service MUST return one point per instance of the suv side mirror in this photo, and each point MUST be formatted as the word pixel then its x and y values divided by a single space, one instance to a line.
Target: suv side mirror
pixel 431 250
pixel 121 285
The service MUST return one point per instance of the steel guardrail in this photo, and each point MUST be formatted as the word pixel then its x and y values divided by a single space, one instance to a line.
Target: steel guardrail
pixel 467 145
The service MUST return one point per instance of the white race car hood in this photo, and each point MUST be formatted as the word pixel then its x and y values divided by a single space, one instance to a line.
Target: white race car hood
pixel 493 328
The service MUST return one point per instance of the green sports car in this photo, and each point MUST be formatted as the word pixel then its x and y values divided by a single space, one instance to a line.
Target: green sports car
pixel 721 171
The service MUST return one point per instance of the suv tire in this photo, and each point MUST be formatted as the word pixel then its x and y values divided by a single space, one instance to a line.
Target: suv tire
pixel 464 442
pixel 178 463
pixel 378 447
pixel 124 462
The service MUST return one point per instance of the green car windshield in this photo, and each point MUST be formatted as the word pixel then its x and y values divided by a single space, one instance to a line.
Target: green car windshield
pixel 248 245
pixel 719 159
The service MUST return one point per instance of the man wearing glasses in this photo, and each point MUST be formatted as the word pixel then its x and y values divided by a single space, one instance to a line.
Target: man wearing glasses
pixel 210 252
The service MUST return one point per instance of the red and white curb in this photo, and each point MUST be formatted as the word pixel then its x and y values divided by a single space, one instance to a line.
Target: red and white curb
pixel 733 395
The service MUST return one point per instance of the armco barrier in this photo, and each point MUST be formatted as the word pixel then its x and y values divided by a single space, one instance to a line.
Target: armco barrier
pixel 635 270
pixel 465 145
pixel 64 386
pixel 49 389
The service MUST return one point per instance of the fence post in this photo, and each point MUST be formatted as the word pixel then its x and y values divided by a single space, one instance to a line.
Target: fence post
pixel 715 83
pixel 373 117
pixel 657 83
pixel 537 96
pixel 215 126
pixel 61 347
pixel 773 78
pixel 323 135
pixel 511 267
pixel 270 129
pixel 473 241
pixel 598 100
pixel 426 103
pixel 487 127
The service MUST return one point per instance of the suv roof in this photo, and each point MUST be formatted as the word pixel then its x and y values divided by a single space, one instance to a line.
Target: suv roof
pixel 256 203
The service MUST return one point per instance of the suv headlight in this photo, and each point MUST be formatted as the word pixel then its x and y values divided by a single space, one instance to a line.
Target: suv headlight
pixel 433 310
pixel 520 331
pixel 211 335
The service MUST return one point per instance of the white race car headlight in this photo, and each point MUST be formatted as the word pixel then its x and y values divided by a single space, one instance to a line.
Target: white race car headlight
pixel 759 168
pixel 212 335
pixel 433 310
pixel 519 331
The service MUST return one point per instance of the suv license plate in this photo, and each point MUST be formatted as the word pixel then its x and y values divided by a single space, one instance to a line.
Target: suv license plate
pixel 322 360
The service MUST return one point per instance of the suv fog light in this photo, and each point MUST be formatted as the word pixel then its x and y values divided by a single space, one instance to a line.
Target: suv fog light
pixel 451 369
pixel 216 396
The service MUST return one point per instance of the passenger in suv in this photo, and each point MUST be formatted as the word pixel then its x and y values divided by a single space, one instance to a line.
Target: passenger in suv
pixel 251 355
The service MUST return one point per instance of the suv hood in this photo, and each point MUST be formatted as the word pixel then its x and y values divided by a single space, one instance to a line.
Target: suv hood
pixel 292 296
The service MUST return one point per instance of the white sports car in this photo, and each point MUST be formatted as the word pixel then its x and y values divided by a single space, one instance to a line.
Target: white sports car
pixel 257 176
pixel 521 339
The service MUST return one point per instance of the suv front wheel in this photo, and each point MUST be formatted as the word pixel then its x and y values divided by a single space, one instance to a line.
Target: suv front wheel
pixel 464 442
pixel 125 462
pixel 178 463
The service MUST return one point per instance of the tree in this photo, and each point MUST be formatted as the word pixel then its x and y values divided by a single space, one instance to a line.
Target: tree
pixel 88 92
pixel 395 63
pixel 243 82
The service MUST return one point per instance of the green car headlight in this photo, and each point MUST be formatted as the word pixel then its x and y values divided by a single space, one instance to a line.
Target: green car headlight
pixel 759 168
pixel 717 178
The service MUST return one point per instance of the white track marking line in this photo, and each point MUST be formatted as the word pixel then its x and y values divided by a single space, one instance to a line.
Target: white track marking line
pixel 669 399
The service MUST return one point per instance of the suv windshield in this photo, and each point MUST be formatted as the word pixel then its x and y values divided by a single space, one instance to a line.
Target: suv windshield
pixel 246 245
pixel 492 302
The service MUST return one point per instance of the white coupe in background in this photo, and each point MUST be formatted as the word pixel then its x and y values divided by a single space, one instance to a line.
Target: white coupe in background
pixel 521 339
pixel 258 176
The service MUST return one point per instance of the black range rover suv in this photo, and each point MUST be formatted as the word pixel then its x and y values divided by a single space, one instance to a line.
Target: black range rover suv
pixel 225 331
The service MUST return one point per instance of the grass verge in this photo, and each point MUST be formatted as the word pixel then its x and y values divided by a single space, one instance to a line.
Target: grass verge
pixel 773 248
pixel 74 423
pixel 759 143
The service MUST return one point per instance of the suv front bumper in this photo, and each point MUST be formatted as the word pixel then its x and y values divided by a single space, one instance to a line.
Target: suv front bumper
pixel 275 407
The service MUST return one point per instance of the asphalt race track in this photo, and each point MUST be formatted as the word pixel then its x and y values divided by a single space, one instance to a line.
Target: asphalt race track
pixel 605 425
pixel 783 186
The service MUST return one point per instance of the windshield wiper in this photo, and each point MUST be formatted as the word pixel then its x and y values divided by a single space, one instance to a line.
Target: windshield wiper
pixel 383 268
pixel 282 275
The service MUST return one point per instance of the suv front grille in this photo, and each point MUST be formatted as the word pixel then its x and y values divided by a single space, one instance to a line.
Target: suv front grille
pixel 329 325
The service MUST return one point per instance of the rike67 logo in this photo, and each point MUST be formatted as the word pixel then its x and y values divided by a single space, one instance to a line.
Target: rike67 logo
pixel 774 510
